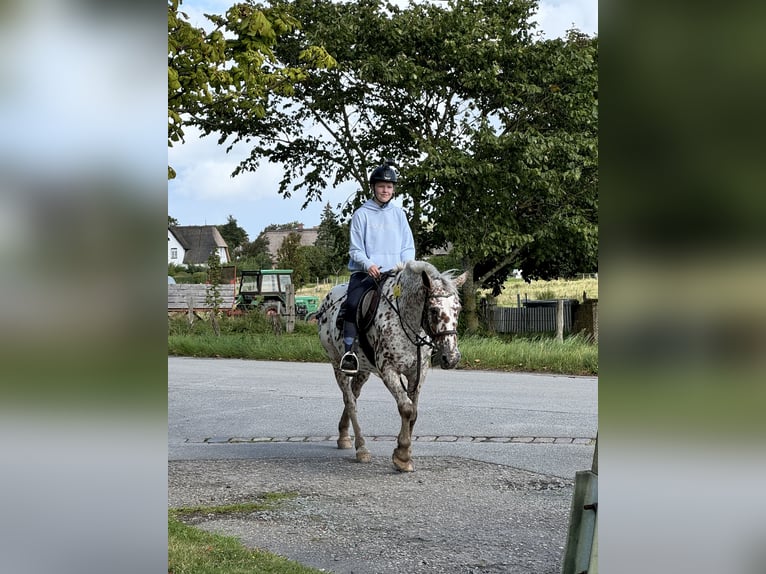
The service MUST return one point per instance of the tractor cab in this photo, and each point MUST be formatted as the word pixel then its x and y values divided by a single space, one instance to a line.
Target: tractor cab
pixel 264 289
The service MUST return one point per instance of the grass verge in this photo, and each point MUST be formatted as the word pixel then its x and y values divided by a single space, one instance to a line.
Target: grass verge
pixel 574 356
pixel 195 551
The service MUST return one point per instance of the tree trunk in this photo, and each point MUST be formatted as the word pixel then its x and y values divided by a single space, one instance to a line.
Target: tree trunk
pixel 469 298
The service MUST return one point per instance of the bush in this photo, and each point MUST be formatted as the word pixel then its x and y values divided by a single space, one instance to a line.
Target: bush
pixel 199 277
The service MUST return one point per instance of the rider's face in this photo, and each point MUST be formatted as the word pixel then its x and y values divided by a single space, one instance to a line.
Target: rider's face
pixel 384 191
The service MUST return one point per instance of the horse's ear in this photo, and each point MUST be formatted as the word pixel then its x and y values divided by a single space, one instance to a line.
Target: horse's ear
pixel 460 279
pixel 426 280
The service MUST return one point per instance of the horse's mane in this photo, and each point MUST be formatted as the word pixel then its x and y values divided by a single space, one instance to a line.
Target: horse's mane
pixel 414 268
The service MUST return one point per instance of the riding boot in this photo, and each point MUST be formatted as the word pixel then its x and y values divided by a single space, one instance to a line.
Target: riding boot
pixel 349 363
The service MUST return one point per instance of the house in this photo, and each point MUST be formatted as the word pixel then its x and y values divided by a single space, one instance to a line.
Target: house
pixel 193 244
pixel 308 237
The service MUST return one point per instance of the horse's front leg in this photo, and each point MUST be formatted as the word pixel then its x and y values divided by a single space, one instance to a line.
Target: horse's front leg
pixel 351 387
pixel 408 411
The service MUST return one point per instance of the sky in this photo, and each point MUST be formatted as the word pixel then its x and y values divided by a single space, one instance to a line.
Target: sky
pixel 204 193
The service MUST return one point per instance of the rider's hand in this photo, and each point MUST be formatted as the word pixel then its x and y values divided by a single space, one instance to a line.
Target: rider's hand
pixel 374 271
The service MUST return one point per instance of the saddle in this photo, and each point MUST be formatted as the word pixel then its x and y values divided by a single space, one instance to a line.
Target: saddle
pixel 365 315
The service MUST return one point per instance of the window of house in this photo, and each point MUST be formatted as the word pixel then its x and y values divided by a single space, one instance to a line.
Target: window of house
pixel 174 253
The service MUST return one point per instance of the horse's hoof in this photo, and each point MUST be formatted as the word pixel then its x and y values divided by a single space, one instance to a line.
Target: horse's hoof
pixel 402 465
pixel 363 455
pixel 344 443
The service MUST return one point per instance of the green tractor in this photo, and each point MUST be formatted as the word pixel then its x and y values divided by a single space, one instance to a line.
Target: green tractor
pixel 266 290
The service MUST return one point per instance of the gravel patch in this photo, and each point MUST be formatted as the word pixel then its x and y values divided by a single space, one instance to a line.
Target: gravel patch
pixel 452 515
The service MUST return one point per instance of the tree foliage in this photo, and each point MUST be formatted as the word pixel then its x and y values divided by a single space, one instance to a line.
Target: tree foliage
pixel 290 255
pixel 213 297
pixel 333 242
pixel 494 129
pixel 232 66
pixel 255 254
pixel 283 226
pixel 233 234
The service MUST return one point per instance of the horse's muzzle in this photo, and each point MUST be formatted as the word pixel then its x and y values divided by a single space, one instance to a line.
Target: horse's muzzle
pixel 451 360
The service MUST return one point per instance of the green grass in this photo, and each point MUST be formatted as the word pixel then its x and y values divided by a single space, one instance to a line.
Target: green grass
pixel 268 501
pixel 293 347
pixel 574 356
pixel 540 353
pixel 194 551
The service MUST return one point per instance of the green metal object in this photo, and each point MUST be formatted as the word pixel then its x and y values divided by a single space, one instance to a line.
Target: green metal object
pixel 581 554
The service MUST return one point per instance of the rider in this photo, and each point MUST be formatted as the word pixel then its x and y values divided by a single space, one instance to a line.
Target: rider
pixel 380 239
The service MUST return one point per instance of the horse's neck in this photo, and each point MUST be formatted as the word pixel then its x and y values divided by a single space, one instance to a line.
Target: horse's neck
pixel 411 303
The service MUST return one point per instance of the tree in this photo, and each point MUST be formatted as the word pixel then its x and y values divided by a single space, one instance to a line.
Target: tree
pixel 290 256
pixel 232 65
pixel 283 226
pixel 494 129
pixel 255 254
pixel 315 260
pixel 213 296
pixel 333 242
pixel 234 235
pixel 172 221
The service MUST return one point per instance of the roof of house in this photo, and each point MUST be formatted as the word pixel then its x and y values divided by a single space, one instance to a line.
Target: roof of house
pixel 308 236
pixel 199 241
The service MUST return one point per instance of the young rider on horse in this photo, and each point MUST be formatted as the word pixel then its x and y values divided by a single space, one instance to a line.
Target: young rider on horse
pixel 381 238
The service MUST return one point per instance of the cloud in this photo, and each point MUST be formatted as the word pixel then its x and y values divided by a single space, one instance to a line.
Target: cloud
pixel 555 17
pixel 204 171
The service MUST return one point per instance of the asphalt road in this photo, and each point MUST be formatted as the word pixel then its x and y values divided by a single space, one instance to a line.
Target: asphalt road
pixel 495 457
pixel 297 407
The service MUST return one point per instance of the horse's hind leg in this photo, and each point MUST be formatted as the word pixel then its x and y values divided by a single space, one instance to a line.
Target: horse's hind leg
pixel 351 387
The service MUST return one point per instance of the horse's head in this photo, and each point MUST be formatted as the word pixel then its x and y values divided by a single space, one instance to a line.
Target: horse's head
pixel 440 316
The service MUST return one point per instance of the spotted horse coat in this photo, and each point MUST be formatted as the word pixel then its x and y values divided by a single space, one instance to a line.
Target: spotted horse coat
pixel 418 312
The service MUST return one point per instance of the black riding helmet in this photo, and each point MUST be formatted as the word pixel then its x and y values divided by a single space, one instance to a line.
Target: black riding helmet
pixel 385 172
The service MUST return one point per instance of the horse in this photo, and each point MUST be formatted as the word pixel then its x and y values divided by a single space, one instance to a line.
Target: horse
pixel 417 307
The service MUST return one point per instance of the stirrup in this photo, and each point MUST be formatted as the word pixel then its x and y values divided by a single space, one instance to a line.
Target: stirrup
pixel 349 363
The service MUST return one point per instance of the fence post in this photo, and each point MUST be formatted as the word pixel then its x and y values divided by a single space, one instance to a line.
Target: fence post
pixel 560 320
pixel 290 296
pixel 190 305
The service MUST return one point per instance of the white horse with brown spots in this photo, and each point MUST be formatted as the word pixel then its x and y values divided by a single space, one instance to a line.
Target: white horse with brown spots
pixel 418 307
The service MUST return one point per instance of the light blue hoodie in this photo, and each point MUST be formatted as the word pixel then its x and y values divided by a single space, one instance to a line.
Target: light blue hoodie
pixel 379 236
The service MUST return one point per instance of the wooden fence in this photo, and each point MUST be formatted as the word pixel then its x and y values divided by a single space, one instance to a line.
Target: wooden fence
pixel 182 296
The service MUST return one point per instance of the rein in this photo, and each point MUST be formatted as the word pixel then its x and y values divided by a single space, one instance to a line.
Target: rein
pixel 419 341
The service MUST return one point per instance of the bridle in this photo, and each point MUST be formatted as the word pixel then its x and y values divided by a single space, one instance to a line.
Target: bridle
pixel 431 335
pixel 426 324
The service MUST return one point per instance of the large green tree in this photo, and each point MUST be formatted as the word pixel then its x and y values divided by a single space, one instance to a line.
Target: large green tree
pixel 333 242
pixel 255 254
pixel 231 65
pixel 494 129
pixel 233 234
pixel 290 255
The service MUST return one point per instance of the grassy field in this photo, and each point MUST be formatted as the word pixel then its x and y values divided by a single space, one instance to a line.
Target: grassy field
pixel 556 289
